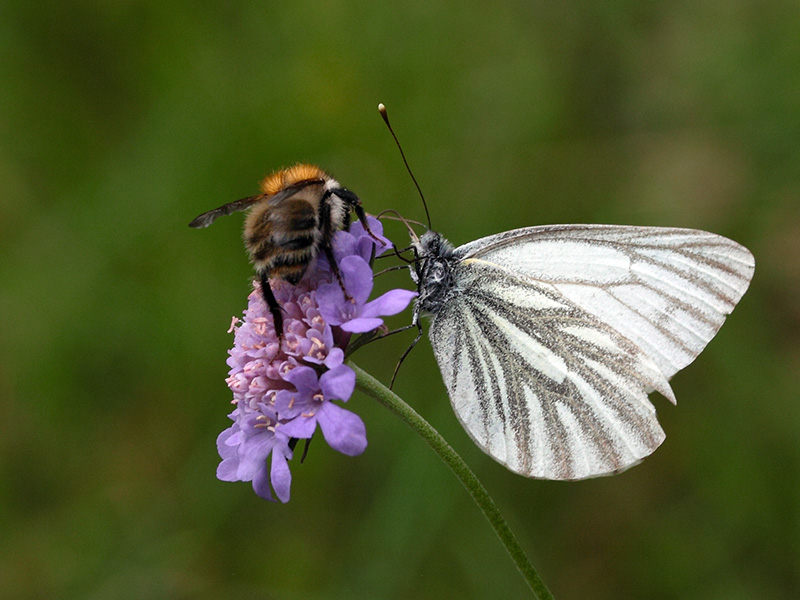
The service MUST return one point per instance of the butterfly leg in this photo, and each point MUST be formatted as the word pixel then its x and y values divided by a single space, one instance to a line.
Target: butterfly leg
pixel 414 323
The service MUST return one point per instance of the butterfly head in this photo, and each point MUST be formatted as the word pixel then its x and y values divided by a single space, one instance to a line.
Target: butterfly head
pixel 432 270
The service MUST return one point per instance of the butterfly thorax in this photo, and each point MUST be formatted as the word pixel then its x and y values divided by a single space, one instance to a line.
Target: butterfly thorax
pixel 433 271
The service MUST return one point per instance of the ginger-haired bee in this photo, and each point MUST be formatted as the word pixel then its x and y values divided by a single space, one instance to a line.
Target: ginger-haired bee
pixel 290 222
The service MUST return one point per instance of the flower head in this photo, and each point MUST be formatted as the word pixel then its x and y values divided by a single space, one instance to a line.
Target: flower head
pixel 283 389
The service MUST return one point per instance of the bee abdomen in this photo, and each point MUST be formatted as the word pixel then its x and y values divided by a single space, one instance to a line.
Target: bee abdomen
pixel 291 274
pixel 303 222
pixel 290 265
pixel 299 242
pixel 291 258
pixel 260 249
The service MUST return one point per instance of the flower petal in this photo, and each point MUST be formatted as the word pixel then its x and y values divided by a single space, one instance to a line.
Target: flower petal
pixel 253 454
pixel 226 470
pixel 338 383
pixel 228 439
pixel 281 476
pixel 330 298
pixel 335 358
pixel 357 276
pixel 390 303
pixel 343 244
pixel 289 404
pixel 376 227
pixel 343 430
pixel 304 379
pixel 261 485
pixel 300 427
pixel 362 325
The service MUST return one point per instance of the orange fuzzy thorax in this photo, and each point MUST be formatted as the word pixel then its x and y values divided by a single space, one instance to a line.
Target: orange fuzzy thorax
pixel 272 184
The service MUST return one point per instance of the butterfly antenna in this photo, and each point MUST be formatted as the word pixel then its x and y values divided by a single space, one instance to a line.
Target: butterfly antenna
pixel 393 215
pixel 382 110
pixel 396 216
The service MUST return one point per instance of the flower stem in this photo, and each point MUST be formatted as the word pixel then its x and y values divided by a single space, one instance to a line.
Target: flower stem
pixel 374 388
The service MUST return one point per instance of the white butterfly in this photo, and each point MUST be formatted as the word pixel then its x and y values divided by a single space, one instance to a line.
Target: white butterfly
pixel 550 338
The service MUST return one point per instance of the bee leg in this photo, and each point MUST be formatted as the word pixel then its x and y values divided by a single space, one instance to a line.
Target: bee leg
pixel 362 216
pixel 272 304
pixel 327 233
pixel 353 202
pixel 335 269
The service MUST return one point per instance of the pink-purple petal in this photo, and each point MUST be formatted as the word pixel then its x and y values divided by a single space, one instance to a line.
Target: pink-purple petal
pixel 227 469
pixel 390 303
pixel 287 404
pixel 376 227
pixel 357 276
pixel 281 477
pixel 362 325
pixel 330 296
pixel 335 358
pixel 304 379
pixel 253 453
pixel 299 427
pixel 338 383
pixel 261 485
pixel 343 430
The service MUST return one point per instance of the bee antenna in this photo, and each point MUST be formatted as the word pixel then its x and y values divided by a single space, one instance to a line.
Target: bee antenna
pixel 382 110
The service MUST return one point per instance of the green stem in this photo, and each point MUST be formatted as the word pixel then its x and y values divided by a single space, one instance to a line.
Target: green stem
pixel 372 387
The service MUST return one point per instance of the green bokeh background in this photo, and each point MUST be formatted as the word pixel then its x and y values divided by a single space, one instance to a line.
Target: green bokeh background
pixel 120 121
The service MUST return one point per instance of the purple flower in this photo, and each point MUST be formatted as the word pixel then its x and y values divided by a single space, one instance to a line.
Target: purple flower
pixel 308 405
pixel 283 390
pixel 355 314
pixel 244 449
pixel 356 242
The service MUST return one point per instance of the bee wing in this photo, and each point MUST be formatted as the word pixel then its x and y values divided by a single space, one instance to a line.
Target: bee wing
pixel 552 338
pixel 667 290
pixel 207 218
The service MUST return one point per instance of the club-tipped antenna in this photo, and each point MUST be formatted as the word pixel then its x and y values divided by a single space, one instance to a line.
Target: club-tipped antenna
pixel 393 215
pixel 385 116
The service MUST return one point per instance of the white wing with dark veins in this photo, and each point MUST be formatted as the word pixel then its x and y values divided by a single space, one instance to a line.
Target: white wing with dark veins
pixel 553 337
pixel 667 290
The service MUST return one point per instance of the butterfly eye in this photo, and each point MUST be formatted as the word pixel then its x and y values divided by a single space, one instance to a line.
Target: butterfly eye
pixel 436 272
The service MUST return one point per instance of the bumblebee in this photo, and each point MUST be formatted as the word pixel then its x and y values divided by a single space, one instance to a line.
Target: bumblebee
pixel 289 223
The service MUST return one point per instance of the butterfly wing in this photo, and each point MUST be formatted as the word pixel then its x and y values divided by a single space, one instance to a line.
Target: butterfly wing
pixel 667 290
pixel 548 346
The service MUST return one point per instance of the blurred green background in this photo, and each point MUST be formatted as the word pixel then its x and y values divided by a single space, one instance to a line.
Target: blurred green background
pixel 121 121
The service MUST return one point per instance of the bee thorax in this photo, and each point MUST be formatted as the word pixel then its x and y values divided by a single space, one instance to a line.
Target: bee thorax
pixel 339 213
